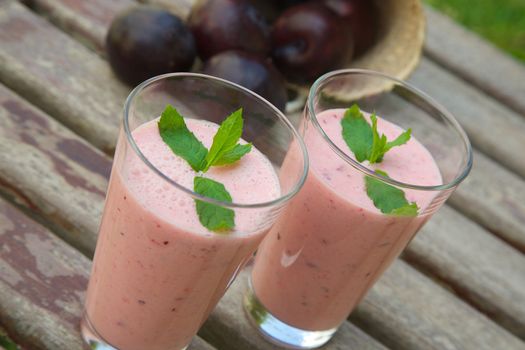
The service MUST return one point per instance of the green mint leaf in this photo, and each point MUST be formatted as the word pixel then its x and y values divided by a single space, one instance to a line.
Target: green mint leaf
pixel 226 138
pixel 364 140
pixel 213 216
pixel 399 141
pixel 180 139
pixel 234 154
pixel 408 210
pixel 389 199
pixel 357 133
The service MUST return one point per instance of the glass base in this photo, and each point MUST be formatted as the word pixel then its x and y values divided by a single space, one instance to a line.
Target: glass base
pixel 278 332
pixel 93 339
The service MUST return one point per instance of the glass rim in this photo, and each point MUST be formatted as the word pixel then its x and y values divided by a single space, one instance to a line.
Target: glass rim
pixel 358 166
pixel 279 200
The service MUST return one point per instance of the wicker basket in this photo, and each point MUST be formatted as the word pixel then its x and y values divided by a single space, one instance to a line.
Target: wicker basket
pixel 399 45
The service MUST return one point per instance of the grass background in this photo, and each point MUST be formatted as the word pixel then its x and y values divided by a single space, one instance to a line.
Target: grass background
pixel 500 21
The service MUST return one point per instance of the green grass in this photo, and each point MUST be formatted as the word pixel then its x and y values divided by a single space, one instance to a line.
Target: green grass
pixel 500 21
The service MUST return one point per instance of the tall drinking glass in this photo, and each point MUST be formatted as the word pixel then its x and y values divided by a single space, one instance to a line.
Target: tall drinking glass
pixel 333 241
pixel 157 271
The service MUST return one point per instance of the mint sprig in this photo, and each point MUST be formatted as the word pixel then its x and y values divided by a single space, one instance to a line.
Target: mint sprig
pixel 364 140
pixel 233 155
pixel 213 216
pixel 224 150
pixel 387 198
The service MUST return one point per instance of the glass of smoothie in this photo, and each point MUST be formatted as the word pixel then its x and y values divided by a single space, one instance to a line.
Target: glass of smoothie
pixel 167 250
pixel 353 216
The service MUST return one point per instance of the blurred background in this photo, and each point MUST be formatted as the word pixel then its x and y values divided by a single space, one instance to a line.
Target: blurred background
pixel 501 22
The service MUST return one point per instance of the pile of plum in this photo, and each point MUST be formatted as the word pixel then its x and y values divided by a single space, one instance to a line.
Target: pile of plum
pixel 259 44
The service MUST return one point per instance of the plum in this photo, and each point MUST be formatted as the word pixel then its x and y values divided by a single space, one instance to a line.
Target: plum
pixel 362 17
pixel 222 25
pixel 145 41
pixel 252 72
pixel 309 40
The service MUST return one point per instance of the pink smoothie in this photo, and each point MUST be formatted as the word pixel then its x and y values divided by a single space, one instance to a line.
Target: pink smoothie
pixel 331 243
pixel 157 271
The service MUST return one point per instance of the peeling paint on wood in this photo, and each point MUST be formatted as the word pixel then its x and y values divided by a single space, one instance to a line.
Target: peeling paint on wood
pixel 60 75
pixel 51 170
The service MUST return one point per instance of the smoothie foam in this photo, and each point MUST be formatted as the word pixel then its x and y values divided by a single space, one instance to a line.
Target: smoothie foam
pixel 157 271
pixel 331 243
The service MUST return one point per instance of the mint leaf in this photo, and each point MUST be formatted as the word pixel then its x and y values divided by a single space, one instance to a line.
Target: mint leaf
pixel 408 210
pixel 400 140
pixel 234 154
pixel 389 199
pixel 225 139
pixel 180 139
pixel 213 216
pixel 364 140
pixel 357 133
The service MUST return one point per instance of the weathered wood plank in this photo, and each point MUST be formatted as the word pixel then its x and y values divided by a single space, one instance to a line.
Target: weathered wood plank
pixel 492 128
pixel 42 285
pixel 42 282
pixel 475 60
pixel 478 266
pixel 87 21
pixel 228 325
pixel 59 75
pixel 493 197
pixel 405 310
pixel 50 170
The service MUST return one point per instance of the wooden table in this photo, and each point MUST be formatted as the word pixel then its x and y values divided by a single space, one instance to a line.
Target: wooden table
pixel 459 285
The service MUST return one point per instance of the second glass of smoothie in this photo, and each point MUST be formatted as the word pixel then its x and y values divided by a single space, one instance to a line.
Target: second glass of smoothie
pixel 158 271
pixel 333 242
